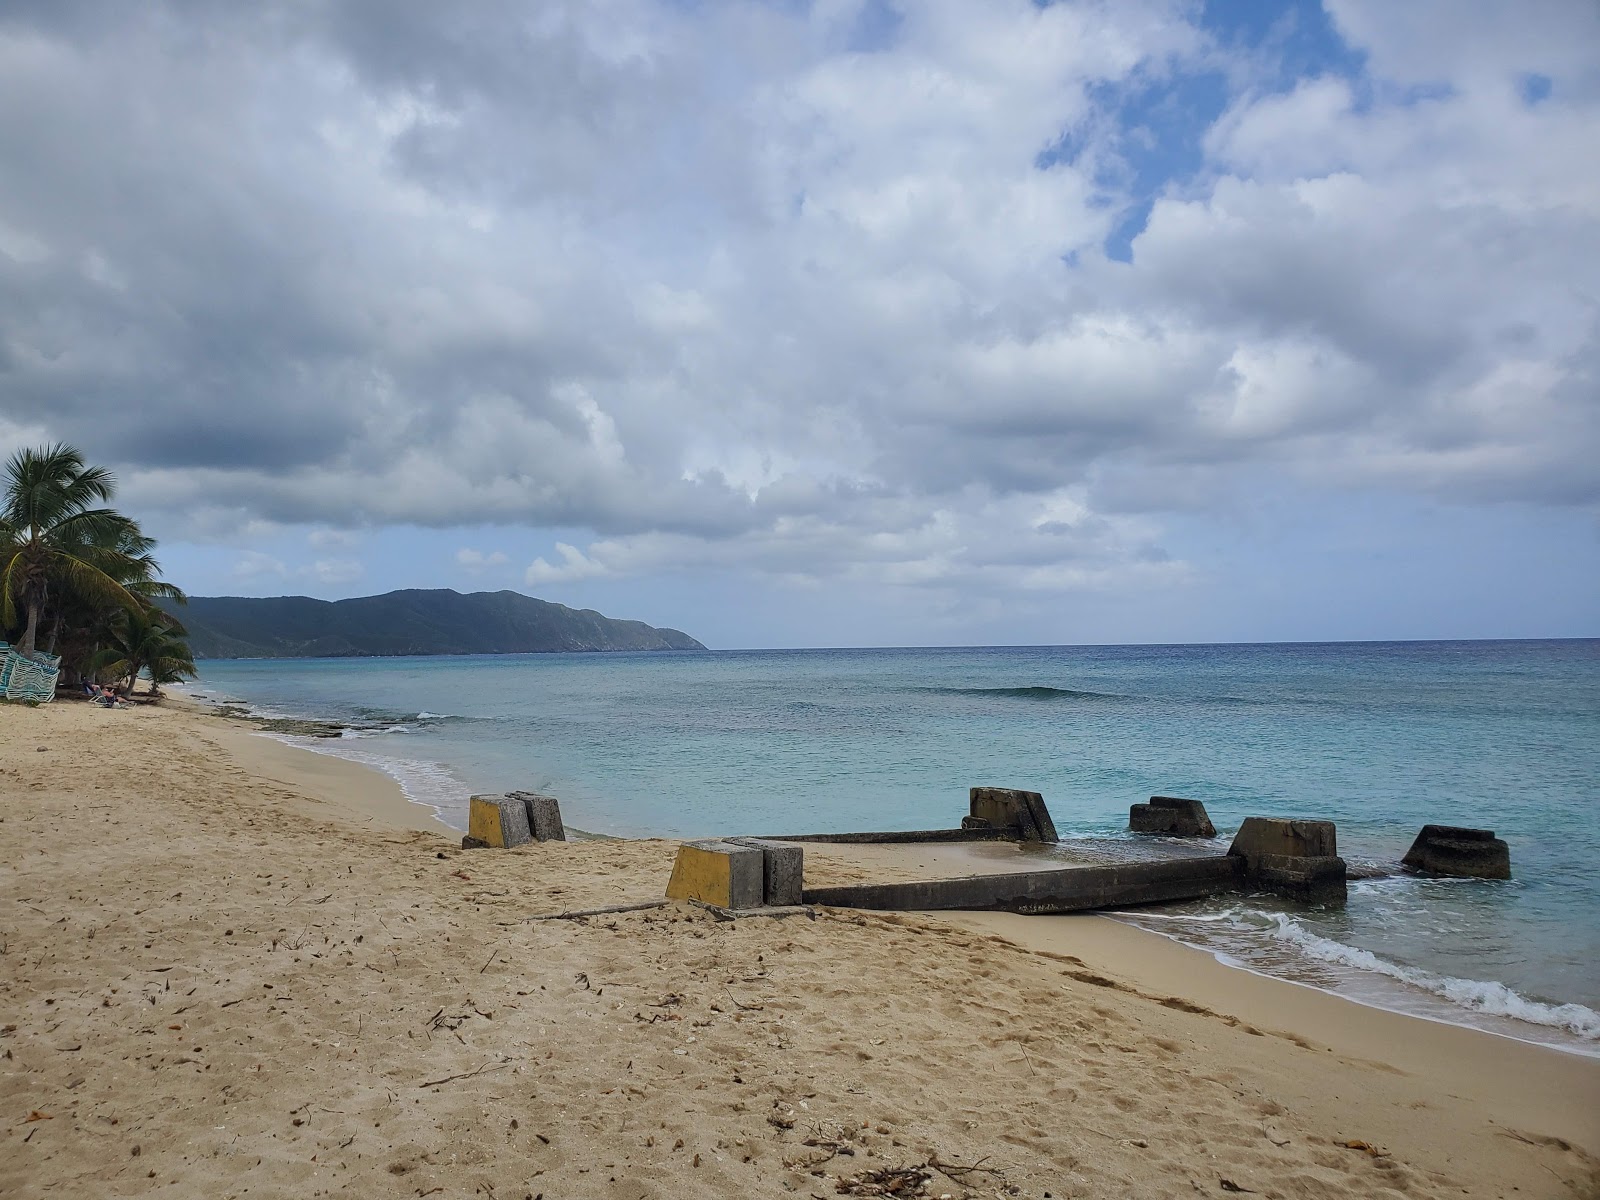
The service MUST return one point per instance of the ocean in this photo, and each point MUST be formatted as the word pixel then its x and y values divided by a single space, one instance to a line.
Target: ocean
pixel 1381 738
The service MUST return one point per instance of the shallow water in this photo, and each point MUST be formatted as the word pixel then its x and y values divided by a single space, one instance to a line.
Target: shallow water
pixel 1378 737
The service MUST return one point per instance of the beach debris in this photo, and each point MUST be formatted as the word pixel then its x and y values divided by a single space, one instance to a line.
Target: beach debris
pixel 957 1170
pixel 885 1181
pixel 1357 1144
pixel 1229 1185
pixel 36 1115
pixel 485 1068
pixel 577 914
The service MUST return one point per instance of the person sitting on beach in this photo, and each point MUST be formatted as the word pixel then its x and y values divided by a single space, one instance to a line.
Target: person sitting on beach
pixel 106 698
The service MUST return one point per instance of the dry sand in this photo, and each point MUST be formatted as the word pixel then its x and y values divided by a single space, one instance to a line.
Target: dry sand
pixel 229 968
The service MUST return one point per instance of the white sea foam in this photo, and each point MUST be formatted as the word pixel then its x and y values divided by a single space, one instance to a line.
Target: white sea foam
pixel 424 783
pixel 1484 996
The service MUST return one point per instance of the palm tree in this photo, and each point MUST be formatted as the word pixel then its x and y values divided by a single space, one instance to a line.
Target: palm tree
pixel 50 536
pixel 146 639
pixel 82 626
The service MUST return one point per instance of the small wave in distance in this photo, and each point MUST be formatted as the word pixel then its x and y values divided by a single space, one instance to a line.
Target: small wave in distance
pixel 1036 692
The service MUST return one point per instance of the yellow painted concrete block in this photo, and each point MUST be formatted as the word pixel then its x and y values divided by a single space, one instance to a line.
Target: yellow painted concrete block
pixel 498 820
pixel 719 873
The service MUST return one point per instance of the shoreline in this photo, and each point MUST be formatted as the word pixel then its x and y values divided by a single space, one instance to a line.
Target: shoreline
pixel 167 866
pixel 422 815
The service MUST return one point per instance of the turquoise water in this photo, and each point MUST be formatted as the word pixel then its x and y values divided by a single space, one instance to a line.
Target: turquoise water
pixel 1378 737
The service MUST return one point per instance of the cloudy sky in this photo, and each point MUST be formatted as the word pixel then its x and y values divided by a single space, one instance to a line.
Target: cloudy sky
pixel 833 323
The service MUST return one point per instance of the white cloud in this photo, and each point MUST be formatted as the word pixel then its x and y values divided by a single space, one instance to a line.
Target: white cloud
pixel 331 539
pixel 254 566
pixel 334 571
pixel 724 289
pixel 574 566
pixel 477 560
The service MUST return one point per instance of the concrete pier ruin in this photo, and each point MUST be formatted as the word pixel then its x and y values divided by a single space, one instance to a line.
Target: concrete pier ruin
pixel 1291 858
pixel 993 815
pixel 1171 816
pixel 512 819
pixel 1453 850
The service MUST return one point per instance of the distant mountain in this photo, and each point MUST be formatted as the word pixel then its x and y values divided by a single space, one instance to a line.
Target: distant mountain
pixel 408 622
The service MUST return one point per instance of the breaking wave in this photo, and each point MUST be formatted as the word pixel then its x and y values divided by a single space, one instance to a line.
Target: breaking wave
pixel 1476 995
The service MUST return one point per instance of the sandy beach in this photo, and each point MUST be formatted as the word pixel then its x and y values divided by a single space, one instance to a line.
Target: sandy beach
pixel 230 967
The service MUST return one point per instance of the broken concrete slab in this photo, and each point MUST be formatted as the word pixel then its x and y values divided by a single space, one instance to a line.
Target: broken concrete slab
pixel 719 873
pixel 1171 816
pixel 1455 850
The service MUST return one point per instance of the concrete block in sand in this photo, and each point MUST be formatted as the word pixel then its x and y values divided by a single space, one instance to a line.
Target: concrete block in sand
pixel 1012 808
pixel 1172 816
pixel 1453 850
pixel 544 817
pixel 720 873
pixel 783 864
pixel 499 821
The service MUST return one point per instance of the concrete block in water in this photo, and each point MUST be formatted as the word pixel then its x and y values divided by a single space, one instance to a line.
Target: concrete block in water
pixel 1260 836
pixel 1012 808
pixel 1453 850
pixel 544 816
pixel 783 867
pixel 1313 879
pixel 1171 816
pixel 720 873
pixel 1297 859
pixel 499 821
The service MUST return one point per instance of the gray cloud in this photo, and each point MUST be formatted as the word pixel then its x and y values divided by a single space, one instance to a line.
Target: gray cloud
pixel 717 286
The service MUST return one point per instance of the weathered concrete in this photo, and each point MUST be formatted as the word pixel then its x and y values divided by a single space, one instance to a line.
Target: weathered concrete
pixel 1067 889
pixel 1296 859
pixel 1260 836
pixel 498 821
pixel 1171 816
pixel 1013 808
pixel 1453 850
pixel 783 869
pixel 544 816
pixel 719 873
pixel 1312 879
pixel 980 833
pixel 996 815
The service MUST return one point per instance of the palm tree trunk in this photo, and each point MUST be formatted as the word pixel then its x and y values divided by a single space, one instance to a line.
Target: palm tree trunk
pixel 32 631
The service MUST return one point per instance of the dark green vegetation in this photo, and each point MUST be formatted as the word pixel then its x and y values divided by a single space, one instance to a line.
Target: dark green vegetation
pixel 409 622
pixel 78 579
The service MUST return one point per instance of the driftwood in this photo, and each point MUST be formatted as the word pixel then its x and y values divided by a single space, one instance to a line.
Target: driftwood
pixel 775 910
pixel 575 914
